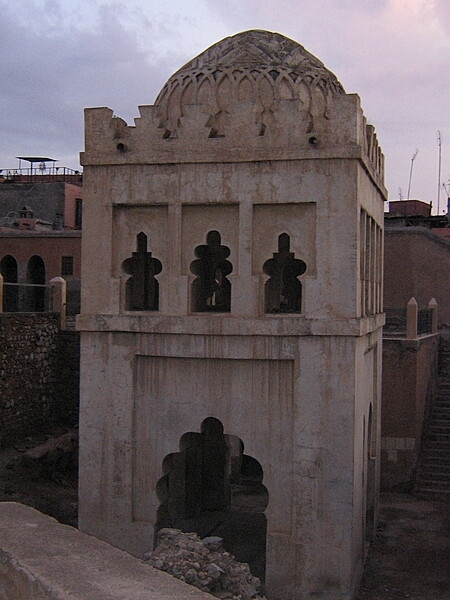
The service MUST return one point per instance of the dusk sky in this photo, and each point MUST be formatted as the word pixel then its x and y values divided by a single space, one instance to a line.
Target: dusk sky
pixel 60 56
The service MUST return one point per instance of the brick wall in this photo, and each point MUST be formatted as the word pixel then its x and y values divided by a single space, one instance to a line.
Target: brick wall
pixel 39 367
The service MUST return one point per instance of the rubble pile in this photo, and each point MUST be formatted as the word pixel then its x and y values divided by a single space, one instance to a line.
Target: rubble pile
pixel 54 460
pixel 205 564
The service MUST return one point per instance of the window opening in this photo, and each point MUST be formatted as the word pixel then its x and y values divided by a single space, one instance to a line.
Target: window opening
pixel 371 478
pixel 142 288
pixel 78 213
pixel 66 265
pixel 211 290
pixel 283 290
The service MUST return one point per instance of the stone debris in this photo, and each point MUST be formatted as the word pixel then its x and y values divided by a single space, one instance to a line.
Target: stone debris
pixel 205 564
pixel 52 459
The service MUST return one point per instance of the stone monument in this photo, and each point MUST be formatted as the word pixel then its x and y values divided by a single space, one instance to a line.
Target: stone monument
pixel 231 317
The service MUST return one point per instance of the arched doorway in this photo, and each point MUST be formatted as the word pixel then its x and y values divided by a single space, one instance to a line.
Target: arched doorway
pixel 212 488
pixel 8 268
pixel 36 276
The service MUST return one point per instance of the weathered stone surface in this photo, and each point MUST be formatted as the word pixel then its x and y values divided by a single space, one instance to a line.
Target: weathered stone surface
pixel 39 374
pixel 259 68
pixel 40 559
pixel 204 564
pixel 257 175
pixel 28 360
pixel 54 457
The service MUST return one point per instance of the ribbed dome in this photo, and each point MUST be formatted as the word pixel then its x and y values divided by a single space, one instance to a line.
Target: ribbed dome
pixel 254 66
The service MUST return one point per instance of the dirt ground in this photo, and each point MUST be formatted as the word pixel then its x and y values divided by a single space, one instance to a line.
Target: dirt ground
pixel 409 558
pixel 54 493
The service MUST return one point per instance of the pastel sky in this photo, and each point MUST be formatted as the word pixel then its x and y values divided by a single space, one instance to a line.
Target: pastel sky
pixel 60 56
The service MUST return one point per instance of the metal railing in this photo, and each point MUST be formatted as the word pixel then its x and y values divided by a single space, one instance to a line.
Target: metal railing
pixel 34 297
pixel 425 321
pixel 395 321
pixel 43 174
pixel 411 322
pixel 25 297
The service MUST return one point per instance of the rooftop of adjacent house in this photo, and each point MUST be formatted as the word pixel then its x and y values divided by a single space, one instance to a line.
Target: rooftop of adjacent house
pixel 39 169
pixel 40 196
pixel 416 213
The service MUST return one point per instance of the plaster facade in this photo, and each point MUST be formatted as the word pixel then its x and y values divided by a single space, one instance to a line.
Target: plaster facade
pixel 252 157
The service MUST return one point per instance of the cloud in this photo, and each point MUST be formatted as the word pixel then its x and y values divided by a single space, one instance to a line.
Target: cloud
pixel 393 53
pixel 56 68
pixel 64 55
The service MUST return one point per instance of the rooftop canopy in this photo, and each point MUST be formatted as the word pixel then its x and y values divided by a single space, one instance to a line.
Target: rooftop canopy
pixel 36 159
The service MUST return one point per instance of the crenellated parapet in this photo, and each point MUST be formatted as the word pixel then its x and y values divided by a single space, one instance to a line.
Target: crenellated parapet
pixel 373 150
pixel 249 97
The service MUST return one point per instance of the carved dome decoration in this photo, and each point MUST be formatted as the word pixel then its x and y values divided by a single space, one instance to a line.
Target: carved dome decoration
pixel 257 67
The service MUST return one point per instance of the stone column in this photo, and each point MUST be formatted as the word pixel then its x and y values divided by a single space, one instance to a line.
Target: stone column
pixel 412 311
pixel 433 306
pixel 58 288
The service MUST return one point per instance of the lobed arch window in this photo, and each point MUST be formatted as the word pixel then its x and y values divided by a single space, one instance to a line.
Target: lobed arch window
pixel 142 288
pixel 211 290
pixel 283 290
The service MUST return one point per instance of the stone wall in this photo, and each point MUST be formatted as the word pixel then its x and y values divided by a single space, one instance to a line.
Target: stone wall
pixel 56 562
pixel 39 366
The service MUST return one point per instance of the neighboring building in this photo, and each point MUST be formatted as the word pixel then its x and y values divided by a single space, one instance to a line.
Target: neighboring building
pixel 232 302
pixel 416 271
pixel 417 258
pixel 40 233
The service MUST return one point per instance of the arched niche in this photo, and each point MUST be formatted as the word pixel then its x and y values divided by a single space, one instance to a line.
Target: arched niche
pixel 8 269
pixel 35 296
pixel 211 487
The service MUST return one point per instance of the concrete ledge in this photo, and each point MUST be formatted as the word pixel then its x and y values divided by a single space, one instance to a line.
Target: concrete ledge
pixel 223 324
pixel 40 559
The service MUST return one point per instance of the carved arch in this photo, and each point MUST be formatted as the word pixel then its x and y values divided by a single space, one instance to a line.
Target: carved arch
pixel 211 290
pixel 283 290
pixel 211 487
pixel 142 288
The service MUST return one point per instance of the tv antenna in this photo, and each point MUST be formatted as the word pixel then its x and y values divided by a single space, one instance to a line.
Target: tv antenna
pixel 411 170
pixel 439 169
pixel 447 189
